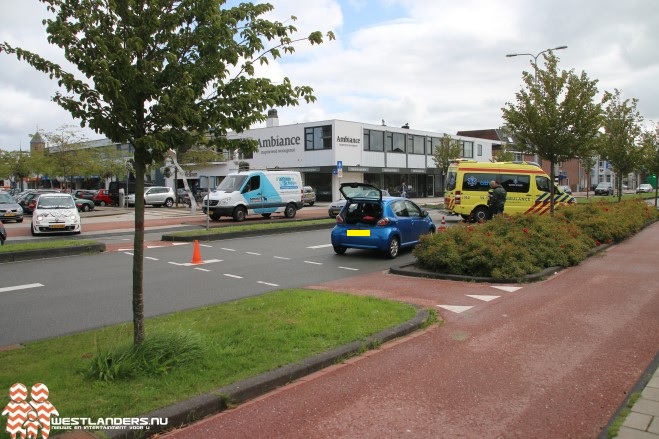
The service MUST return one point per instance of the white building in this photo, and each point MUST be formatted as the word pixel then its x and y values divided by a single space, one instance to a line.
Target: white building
pixel 330 152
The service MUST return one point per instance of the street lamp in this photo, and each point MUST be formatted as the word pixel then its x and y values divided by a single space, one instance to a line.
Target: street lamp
pixel 535 57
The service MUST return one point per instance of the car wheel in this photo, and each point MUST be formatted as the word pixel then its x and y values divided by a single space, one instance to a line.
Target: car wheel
pixel 479 214
pixel 102 203
pixel 85 208
pixel 19 220
pixel 169 202
pixel 394 247
pixel 290 211
pixel 266 215
pixel 32 230
pixel 311 203
pixel 339 250
pixel 331 215
pixel 239 214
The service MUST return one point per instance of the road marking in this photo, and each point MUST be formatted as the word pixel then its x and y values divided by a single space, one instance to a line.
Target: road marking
pixel 125 250
pixel 282 257
pixel 320 246
pixel 348 268
pixel 228 249
pixel 483 298
pixel 205 245
pixel 312 262
pixel 155 246
pixel 193 264
pixel 508 289
pixel 153 259
pixel 128 253
pixel 268 283
pixel 20 287
pixel 201 269
pixel 180 243
pixel 253 253
pixel 233 276
pixel 455 308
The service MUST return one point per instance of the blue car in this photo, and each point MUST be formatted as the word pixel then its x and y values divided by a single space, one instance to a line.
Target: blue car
pixel 370 221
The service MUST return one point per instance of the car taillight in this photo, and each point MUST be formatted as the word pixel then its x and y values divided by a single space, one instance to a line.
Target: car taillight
pixel 383 222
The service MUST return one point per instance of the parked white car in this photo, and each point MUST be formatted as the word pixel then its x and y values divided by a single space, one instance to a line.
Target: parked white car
pixel 155 196
pixel 55 213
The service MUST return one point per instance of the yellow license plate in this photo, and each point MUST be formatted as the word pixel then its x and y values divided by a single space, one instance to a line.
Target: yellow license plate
pixel 57 226
pixel 359 233
pixel 10 214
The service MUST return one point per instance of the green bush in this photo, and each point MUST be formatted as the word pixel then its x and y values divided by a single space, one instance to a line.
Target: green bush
pixel 510 247
pixel 157 355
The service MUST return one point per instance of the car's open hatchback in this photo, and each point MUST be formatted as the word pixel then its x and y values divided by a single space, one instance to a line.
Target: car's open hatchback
pixel 360 190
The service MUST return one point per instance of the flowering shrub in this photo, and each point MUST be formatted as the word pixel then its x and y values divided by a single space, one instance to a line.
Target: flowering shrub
pixel 510 247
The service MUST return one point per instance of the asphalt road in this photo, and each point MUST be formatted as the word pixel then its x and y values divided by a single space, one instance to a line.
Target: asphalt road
pixel 77 293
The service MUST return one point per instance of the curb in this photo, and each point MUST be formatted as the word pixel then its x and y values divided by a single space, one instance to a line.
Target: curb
pixel 218 400
pixel 26 255
pixel 246 233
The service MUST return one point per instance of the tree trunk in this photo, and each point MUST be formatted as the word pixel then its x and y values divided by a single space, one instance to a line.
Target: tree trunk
pixel 139 332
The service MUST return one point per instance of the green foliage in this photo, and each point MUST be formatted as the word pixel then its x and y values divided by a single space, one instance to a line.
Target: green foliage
pixel 159 354
pixel 510 247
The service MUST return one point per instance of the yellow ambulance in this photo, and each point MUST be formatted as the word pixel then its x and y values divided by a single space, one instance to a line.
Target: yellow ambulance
pixel 527 185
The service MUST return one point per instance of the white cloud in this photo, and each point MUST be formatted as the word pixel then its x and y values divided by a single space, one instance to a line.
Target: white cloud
pixel 439 65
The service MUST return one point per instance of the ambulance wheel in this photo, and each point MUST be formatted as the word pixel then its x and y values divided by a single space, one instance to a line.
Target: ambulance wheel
pixel 290 211
pixel 239 214
pixel 479 214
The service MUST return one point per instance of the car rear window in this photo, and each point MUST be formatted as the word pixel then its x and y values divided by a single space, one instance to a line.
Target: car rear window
pixel 362 212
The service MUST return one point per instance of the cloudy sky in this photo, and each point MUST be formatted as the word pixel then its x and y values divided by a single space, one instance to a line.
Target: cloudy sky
pixel 438 65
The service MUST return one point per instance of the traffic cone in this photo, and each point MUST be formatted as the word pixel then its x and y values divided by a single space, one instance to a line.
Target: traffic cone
pixel 442 227
pixel 196 254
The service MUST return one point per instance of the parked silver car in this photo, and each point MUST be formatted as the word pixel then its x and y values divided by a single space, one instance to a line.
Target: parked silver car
pixel 155 196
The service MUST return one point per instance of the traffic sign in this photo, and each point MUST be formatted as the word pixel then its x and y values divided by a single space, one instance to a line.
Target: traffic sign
pixel 339 164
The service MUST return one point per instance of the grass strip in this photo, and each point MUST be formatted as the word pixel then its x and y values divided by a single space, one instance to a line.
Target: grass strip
pixel 240 339
pixel 251 227
pixel 43 245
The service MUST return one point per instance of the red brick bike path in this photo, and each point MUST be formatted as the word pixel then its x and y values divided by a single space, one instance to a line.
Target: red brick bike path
pixel 553 359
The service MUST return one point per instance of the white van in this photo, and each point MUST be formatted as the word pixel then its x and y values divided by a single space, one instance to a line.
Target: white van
pixel 255 192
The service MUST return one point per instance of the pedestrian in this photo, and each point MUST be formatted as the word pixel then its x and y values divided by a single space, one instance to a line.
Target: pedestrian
pixel 497 198
pixel 403 189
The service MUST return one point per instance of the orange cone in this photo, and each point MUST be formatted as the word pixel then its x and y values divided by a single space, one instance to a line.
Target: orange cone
pixel 443 226
pixel 196 254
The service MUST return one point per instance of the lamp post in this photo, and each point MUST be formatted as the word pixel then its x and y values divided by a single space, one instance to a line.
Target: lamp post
pixel 535 57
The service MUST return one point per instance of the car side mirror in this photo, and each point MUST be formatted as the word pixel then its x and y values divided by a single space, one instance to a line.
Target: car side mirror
pixel 424 213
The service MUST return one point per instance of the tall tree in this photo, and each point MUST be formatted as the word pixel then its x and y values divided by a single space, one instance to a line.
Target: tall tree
pixel 446 150
pixel 555 115
pixel 620 141
pixel 160 74
pixel 650 145
pixel 16 164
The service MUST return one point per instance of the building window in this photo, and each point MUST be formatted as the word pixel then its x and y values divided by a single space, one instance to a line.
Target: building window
pixel 317 138
pixel 417 144
pixel 479 148
pixel 373 140
pixel 518 156
pixel 467 149
pixel 397 142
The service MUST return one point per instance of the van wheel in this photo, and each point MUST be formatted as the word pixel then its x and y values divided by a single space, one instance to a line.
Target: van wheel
pixel 479 215
pixel 239 214
pixel 290 211
pixel 394 247
pixel 215 217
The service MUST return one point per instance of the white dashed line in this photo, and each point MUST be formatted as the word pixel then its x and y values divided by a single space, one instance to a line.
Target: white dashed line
pixel 228 249
pixel 20 287
pixel 153 259
pixel 233 276
pixel 349 268
pixel 320 246
pixel 180 243
pixel 268 283
pixel 312 262
pixel 253 253
pixel 282 257
pixel 201 269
